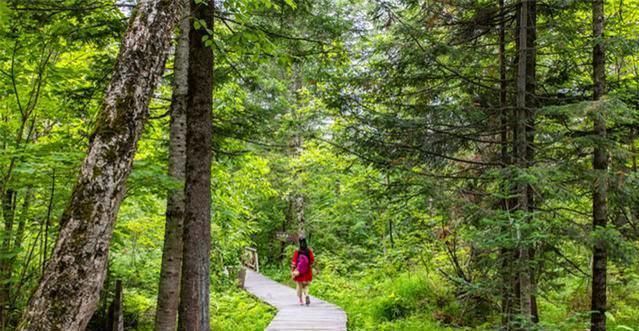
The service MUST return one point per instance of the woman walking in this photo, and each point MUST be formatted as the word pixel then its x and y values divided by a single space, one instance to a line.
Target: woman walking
pixel 302 271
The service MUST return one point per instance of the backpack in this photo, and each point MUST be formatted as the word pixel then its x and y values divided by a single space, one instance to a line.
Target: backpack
pixel 302 263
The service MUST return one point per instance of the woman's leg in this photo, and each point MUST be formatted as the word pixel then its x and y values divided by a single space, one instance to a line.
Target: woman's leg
pixel 306 287
pixel 300 290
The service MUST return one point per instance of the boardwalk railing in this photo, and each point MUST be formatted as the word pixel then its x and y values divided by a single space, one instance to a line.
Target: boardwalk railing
pixel 251 259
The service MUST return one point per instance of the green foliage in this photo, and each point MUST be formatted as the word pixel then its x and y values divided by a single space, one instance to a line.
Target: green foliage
pixel 379 300
pixel 236 310
pixel 383 116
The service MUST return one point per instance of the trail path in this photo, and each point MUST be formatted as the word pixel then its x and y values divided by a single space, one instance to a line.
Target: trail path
pixel 320 315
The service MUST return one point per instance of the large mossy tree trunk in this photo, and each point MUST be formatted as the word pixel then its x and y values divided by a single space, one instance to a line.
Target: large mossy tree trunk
pixel 169 287
pixel 600 185
pixel 67 294
pixel 194 292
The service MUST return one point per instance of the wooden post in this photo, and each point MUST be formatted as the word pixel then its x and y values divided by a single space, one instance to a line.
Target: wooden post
pixel 241 276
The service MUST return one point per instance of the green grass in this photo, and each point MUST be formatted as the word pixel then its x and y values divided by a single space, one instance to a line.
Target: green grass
pixel 391 300
pixel 236 310
pixel 380 303
pixel 232 309
pixel 384 300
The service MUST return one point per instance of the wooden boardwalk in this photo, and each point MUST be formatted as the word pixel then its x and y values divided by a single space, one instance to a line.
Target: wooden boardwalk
pixel 320 315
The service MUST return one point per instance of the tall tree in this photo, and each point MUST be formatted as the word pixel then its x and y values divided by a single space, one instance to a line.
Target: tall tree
pixel 507 254
pixel 296 201
pixel 194 296
pixel 521 151
pixel 600 185
pixel 67 294
pixel 531 104
pixel 169 288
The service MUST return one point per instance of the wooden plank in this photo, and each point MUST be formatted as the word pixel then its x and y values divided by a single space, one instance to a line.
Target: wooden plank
pixel 320 315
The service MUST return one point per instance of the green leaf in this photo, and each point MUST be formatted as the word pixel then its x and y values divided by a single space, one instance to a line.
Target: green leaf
pixel 291 3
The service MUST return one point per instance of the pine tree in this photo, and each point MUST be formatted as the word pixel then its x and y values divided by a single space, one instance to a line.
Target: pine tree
pixel 194 293
pixel 600 185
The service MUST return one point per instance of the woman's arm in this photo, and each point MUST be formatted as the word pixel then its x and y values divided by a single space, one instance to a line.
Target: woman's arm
pixel 294 260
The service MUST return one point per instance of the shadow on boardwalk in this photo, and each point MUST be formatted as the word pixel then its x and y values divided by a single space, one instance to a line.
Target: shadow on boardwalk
pixel 320 315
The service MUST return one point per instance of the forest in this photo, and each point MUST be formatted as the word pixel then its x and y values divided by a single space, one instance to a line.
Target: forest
pixel 453 164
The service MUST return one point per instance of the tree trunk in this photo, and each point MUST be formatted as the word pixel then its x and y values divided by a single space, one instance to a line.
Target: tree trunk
pixel 13 290
pixel 531 104
pixel 8 214
pixel 298 213
pixel 634 210
pixel 169 287
pixel 284 229
pixel 296 145
pixel 45 234
pixel 115 319
pixel 503 94
pixel 194 304
pixel 68 291
pixel 600 185
pixel 24 216
pixel 506 254
pixel 521 150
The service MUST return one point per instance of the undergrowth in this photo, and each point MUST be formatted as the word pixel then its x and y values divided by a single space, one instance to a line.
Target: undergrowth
pixel 384 299
pixel 231 310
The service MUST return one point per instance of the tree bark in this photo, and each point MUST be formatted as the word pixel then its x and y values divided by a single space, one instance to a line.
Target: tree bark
pixel 531 105
pixel 45 235
pixel 169 287
pixel 8 214
pixel 296 146
pixel 24 215
pixel 67 294
pixel 506 254
pixel 14 288
pixel 521 151
pixel 115 319
pixel 194 304
pixel 297 210
pixel 600 185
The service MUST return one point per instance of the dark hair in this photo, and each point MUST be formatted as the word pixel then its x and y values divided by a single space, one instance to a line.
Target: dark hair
pixel 303 246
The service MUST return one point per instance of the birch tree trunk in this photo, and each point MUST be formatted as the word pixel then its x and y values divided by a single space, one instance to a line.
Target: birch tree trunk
pixel 194 301
pixel 600 185
pixel 68 292
pixel 169 287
